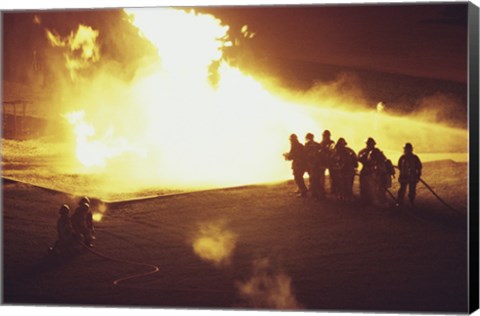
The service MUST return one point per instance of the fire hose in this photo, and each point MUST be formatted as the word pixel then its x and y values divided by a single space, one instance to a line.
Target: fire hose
pixel 437 196
pixel 431 191
pixel 153 268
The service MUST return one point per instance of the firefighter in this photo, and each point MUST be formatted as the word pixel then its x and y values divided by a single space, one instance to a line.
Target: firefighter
pixel 344 165
pixel 382 176
pixel 299 165
pixel 312 150
pixel 410 168
pixel 325 159
pixel 82 222
pixel 376 173
pixel 64 231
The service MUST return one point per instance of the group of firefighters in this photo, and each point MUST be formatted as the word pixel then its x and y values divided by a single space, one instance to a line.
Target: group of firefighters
pixel 76 230
pixel 314 158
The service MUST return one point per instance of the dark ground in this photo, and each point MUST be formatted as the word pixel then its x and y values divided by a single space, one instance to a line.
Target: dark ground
pixel 320 256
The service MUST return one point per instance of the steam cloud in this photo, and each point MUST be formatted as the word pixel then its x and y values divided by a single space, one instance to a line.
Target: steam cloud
pixel 268 288
pixel 214 243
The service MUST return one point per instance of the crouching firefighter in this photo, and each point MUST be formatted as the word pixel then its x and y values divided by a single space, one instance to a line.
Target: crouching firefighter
pixel 65 238
pixel 82 223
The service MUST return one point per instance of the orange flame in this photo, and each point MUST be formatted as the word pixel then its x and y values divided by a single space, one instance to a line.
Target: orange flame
pixel 95 152
pixel 193 134
pixel 82 48
pixel 201 135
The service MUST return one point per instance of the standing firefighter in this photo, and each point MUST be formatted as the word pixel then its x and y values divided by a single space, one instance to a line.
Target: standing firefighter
pixel 410 168
pixel 376 174
pixel 299 166
pixel 344 165
pixel 312 151
pixel 82 222
pixel 325 159
pixel 64 231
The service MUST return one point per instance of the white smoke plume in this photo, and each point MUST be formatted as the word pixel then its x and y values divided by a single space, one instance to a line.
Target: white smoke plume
pixel 268 288
pixel 214 243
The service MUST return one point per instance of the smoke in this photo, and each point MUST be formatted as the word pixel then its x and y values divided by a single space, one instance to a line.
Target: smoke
pixel 268 288
pixel 214 243
pixel 443 108
pixel 432 122
pixel 343 91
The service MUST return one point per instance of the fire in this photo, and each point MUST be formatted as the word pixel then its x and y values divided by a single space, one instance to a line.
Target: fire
pixel 195 133
pixel 192 120
pixel 187 42
pixel 91 151
pixel 82 48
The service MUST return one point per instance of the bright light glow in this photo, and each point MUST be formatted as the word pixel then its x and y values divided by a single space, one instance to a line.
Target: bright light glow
pixel 193 121
pixel 82 48
pixel 93 152
pixel 99 212
pixel 197 134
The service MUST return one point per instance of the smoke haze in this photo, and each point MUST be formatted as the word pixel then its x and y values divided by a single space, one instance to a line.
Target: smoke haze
pixel 214 243
pixel 268 288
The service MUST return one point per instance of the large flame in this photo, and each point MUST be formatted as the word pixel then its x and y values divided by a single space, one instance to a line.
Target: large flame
pixel 196 133
pixel 192 120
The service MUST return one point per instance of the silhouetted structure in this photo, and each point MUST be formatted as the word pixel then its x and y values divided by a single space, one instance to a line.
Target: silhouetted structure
pixel 410 168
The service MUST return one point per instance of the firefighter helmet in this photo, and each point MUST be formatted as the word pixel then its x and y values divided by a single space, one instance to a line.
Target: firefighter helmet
pixel 309 136
pixel 370 141
pixel 341 142
pixel 64 209
pixel 84 200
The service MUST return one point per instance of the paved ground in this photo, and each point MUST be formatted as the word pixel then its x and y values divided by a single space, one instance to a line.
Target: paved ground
pixel 254 247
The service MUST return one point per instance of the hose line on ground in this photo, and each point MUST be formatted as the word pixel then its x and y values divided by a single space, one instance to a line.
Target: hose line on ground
pixel 154 268
pixel 437 196
pixel 431 191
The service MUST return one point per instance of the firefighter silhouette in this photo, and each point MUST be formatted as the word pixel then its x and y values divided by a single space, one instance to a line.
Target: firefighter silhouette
pixel 299 164
pixel 376 174
pixel 344 165
pixel 410 168
pixel 82 222
pixel 312 152
pixel 325 159
pixel 63 245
